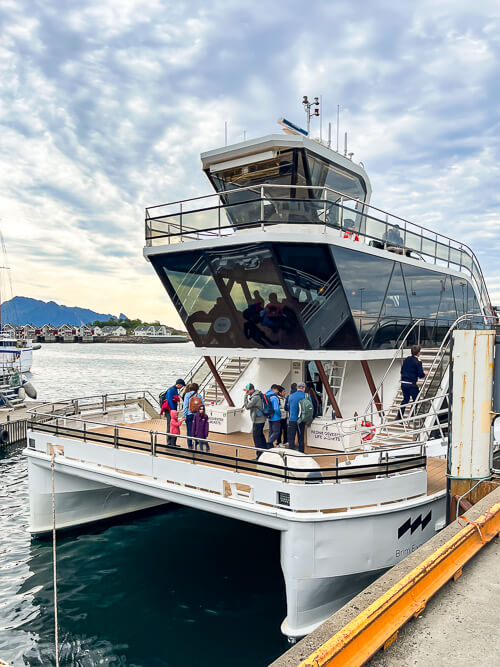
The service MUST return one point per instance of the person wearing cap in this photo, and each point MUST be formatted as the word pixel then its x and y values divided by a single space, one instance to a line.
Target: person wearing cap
pixel 294 428
pixel 172 404
pixel 253 403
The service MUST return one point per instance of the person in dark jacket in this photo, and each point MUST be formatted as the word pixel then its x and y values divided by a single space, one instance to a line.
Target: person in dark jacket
pixel 199 428
pixel 411 371
pixel 172 404
pixel 315 399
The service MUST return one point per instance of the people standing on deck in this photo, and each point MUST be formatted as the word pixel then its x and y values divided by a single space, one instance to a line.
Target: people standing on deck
pixel 175 428
pixel 296 428
pixel 172 404
pixel 411 371
pixel 293 389
pixel 284 417
pixel 192 401
pixel 274 417
pixel 253 403
pixel 200 428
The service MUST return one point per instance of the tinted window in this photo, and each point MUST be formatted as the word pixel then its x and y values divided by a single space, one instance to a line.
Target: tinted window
pixel 314 285
pixel 232 297
pixel 365 279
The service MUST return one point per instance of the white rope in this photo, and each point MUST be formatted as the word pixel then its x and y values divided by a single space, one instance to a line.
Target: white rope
pixel 56 625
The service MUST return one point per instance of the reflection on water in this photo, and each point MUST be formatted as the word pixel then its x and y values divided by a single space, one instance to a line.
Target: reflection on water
pixel 169 587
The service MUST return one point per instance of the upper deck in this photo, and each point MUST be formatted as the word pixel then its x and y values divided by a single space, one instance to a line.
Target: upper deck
pixel 289 254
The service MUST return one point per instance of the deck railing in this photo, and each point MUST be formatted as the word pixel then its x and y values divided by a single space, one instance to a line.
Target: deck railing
pixel 267 204
pixel 68 420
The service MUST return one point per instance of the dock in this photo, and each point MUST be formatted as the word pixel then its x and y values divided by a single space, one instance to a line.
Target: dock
pixel 450 628
pixel 13 423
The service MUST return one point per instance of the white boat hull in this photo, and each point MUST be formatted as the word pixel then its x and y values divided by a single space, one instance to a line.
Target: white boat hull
pixel 78 501
pixel 325 559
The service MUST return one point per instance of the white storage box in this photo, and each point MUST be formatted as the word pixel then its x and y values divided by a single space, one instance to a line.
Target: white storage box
pixel 223 419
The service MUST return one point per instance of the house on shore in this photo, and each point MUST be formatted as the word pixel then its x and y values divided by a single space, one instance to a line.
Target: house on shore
pixel 114 331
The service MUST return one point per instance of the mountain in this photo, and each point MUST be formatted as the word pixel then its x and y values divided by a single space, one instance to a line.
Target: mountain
pixel 22 310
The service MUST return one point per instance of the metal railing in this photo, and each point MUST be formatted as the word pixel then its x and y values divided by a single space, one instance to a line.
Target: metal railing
pixel 198 219
pixel 66 419
pixel 372 425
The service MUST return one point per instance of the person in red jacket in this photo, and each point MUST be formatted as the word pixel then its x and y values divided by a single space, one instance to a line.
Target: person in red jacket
pixel 175 428
pixel 199 428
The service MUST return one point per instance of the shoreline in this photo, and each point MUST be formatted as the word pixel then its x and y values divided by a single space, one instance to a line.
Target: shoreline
pixel 128 340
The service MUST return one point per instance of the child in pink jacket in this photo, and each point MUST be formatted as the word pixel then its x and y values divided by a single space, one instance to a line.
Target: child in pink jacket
pixel 175 427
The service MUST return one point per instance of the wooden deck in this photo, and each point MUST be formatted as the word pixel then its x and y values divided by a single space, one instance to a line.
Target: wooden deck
pixel 240 445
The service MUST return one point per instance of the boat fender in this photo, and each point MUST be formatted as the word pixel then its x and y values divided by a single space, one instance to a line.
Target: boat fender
pixel 36 346
pixel 4 436
pixel 30 390
pixel 21 394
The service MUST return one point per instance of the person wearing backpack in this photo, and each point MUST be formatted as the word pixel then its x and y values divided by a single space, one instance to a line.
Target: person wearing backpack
pixel 192 401
pixel 200 428
pixel 296 426
pixel 168 397
pixel 274 417
pixel 254 404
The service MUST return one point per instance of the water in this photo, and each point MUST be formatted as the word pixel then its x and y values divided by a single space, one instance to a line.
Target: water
pixel 172 587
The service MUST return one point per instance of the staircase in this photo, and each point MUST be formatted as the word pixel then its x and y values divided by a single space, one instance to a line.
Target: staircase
pixel 230 370
pixel 8 393
pixel 434 370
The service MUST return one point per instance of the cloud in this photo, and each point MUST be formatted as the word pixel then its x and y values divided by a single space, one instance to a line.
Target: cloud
pixel 106 107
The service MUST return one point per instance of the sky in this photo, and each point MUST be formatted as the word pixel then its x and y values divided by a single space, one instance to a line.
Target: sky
pixel 105 108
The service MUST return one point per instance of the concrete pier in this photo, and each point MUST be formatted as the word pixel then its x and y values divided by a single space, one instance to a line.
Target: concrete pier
pixel 459 624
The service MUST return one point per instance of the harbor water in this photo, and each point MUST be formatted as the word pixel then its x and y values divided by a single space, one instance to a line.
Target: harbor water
pixel 171 587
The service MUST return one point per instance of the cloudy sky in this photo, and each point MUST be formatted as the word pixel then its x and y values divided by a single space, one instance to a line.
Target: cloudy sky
pixel 105 107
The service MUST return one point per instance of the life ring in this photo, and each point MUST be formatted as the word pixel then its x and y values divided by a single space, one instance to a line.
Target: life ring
pixel 371 431
pixel 4 436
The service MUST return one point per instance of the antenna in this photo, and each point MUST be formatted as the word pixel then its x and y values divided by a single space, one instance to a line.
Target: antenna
pixel 307 108
pixel 345 144
pixel 225 133
pixel 338 118
pixel 329 135
pixel 321 118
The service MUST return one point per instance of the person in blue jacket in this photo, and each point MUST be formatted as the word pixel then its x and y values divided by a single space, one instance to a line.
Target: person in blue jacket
pixel 172 405
pixel 294 428
pixel 411 371
pixel 275 417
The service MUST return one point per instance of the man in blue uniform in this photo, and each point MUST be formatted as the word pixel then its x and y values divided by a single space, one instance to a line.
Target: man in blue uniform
pixel 411 371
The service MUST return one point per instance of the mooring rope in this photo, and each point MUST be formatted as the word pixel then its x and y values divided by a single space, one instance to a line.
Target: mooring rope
pixel 56 624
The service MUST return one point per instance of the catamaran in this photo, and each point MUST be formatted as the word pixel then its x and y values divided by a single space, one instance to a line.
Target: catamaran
pixel 285 273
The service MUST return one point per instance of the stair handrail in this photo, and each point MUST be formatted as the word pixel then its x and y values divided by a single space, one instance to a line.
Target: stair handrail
pixel 442 349
pixel 396 353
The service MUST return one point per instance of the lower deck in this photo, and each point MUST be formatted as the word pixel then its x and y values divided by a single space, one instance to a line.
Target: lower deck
pixel 239 446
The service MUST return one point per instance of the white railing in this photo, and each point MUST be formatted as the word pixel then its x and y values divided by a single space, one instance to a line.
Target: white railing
pixel 198 219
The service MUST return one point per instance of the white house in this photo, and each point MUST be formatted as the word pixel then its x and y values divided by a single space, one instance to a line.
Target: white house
pixel 144 330
pixel 114 331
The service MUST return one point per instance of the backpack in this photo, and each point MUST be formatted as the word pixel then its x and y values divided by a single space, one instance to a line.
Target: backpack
pixel 306 411
pixel 162 397
pixel 267 408
pixel 194 403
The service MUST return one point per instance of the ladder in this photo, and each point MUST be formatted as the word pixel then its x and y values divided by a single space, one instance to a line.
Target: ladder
pixel 336 376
